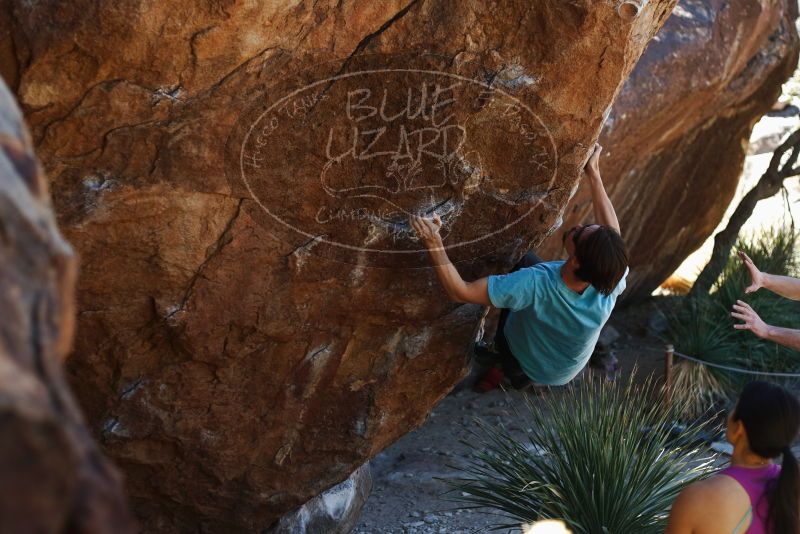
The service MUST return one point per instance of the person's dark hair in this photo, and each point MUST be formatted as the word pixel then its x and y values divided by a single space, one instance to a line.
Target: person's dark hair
pixel 603 258
pixel 771 418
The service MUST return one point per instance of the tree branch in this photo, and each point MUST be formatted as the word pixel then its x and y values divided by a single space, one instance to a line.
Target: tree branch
pixel 768 185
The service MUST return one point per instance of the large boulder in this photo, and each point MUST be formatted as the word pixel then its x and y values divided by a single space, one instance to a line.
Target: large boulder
pixel 677 136
pixel 53 478
pixel 255 320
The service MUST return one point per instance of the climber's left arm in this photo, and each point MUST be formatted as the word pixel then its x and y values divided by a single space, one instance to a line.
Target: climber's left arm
pixel 603 209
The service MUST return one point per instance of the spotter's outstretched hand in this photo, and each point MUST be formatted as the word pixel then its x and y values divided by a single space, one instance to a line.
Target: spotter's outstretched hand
pixel 756 276
pixel 752 322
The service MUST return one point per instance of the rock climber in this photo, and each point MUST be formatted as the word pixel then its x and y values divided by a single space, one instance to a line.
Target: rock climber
pixel 551 312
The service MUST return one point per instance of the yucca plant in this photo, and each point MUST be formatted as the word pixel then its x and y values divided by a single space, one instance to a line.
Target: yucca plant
pixel 698 388
pixel 700 328
pixel 604 458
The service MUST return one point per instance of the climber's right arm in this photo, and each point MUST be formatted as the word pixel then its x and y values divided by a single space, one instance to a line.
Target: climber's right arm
pixel 457 288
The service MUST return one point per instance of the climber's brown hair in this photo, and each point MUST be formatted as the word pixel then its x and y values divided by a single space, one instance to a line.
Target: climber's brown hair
pixel 603 258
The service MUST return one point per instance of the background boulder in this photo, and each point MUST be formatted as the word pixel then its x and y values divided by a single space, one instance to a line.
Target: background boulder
pixel 53 479
pixel 678 132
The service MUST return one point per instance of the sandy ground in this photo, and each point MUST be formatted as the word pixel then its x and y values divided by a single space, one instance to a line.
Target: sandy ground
pixel 410 477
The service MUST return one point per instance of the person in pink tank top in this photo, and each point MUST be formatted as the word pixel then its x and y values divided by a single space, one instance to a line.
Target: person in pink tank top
pixel 754 495
pixel 756 482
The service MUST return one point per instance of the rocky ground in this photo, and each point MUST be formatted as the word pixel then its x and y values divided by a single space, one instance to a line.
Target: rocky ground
pixel 410 477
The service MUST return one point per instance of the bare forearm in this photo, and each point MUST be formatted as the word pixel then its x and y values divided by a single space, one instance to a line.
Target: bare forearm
pixel 448 275
pixel 603 209
pixel 784 286
pixel 785 336
pixel 456 287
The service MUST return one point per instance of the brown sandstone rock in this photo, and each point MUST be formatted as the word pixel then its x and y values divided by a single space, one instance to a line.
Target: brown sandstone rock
pixel 677 135
pixel 52 477
pixel 254 319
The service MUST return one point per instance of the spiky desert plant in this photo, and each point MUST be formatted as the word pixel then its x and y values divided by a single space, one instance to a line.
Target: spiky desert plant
pixel 699 328
pixel 602 457
pixel 697 387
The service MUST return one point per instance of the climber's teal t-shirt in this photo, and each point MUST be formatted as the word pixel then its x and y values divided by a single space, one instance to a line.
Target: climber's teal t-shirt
pixel 551 329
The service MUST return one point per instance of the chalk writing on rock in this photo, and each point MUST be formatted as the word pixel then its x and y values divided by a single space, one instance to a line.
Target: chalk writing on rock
pixel 345 160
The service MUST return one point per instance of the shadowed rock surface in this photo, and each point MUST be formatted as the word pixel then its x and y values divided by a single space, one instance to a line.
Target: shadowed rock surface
pixel 677 136
pixel 53 478
pixel 254 319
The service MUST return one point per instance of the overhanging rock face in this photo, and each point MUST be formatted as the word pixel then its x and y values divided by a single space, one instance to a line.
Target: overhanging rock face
pixel 254 318
pixel 676 139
